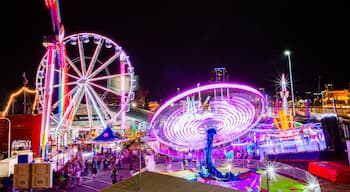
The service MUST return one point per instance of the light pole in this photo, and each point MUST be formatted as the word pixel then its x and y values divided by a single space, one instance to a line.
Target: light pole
pixel 287 53
pixel 9 136
pixel 267 181
pixel 140 158
pixel 270 171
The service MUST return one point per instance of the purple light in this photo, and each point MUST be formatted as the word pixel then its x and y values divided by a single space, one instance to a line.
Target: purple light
pixel 233 109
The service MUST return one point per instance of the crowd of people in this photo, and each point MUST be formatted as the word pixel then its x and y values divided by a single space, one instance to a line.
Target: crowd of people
pixel 70 175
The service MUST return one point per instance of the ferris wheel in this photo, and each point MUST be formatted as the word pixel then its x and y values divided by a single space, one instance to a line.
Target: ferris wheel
pixel 93 87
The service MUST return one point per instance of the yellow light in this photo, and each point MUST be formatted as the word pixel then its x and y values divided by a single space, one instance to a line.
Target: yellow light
pixel 229 167
pixel 133 104
pixel 15 94
pixel 153 105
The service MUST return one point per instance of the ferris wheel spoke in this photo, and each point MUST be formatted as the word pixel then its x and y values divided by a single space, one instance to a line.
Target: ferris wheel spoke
pixel 69 75
pixel 104 65
pixel 88 108
pixel 74 67
pixel 94 57
pixel 82 56
pixel 109 77
pixel 104 88
pixel 69 108
pixel 100 101
pixel 75 109
pixel 71 113
pixel 70 83
pixel 94 104
pixel 68 94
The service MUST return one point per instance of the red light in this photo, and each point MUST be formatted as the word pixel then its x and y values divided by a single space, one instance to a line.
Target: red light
pixel 50 3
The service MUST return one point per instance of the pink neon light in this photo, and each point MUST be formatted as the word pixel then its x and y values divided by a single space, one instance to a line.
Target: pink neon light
pixel 122 91
pixel 47 99
pixel 203 88
pixel 184 126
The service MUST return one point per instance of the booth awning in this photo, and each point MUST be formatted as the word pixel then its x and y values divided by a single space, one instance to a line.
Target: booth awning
pixel 107 136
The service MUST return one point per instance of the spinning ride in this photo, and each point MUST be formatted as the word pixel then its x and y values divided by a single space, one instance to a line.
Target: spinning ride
pixel 181 124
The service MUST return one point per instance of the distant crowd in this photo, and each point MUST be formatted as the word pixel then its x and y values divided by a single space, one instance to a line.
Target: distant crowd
pixel 71 174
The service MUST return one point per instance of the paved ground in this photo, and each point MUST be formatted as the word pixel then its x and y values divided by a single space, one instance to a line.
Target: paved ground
pixel 103 180
pixel 327 186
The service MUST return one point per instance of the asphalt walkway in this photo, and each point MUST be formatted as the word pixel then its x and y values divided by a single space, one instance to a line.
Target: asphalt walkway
pixel 104 180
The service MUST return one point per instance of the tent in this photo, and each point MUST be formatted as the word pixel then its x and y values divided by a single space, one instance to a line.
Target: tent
pixel 107 136
pixel 156 182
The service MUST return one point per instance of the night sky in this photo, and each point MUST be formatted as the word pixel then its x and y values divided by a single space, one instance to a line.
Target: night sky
pixel 175 44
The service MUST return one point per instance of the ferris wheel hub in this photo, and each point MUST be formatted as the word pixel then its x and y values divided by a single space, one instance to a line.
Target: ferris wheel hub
pixel 83 81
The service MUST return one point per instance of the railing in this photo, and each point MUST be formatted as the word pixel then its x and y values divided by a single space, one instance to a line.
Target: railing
pixel 280 168
pixel 310 182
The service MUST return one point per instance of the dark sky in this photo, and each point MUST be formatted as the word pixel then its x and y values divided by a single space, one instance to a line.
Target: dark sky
pixel 177 43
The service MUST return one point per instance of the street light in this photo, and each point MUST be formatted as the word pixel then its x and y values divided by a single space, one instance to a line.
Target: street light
pixel 9 136
pixel 311 187
pixel 270 173
pixel 312 184
pixel 287 53
pixel 140 159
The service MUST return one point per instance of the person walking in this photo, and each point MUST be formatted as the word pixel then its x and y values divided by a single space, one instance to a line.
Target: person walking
pixel 114 176
pixel 94 172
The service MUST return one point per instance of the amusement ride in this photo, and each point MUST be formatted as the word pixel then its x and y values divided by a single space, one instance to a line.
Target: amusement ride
pixel 205 124
pixel 84 75
pixel 280 132
pixel 180 125
pixel 89 77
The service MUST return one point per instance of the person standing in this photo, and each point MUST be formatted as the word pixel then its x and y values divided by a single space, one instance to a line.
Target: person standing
pixel 131 169
pixel 78 176
pixel 86 166
pixel 94 172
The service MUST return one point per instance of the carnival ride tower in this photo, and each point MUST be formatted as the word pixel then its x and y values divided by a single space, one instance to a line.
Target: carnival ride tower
pixel 284 118
pixel 212 171
pixel 284 94
pixel 55 54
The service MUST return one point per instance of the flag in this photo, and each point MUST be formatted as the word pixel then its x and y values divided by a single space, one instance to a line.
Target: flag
pixel 25 80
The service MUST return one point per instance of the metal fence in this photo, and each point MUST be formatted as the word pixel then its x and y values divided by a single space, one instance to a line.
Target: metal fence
pixel 283 169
